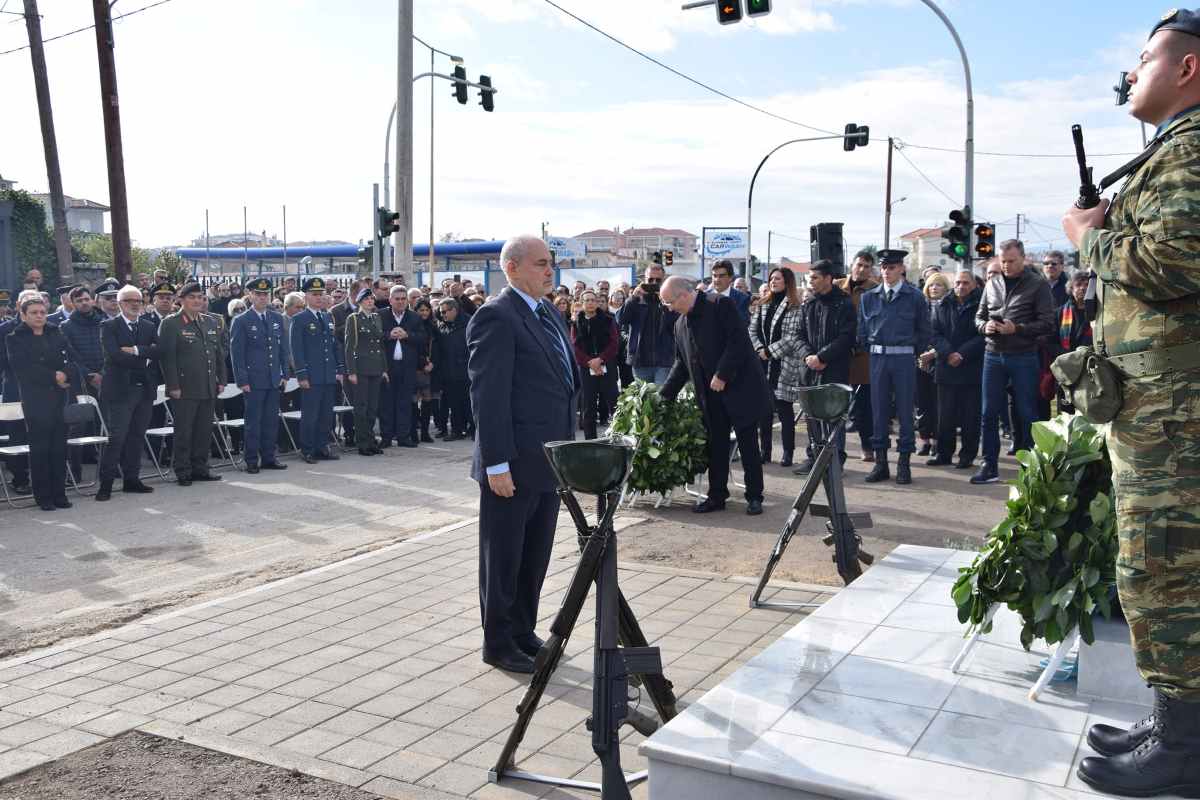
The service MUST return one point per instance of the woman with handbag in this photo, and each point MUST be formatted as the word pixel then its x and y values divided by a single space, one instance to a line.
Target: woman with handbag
pixel 773 334
pixel 37 354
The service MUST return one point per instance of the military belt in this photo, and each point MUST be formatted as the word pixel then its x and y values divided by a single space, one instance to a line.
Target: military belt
pixel 1155 362
pixel 892 350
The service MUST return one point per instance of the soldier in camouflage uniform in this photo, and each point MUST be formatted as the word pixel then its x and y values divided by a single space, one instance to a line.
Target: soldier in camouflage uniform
pixel 366 368
pixel 1145 249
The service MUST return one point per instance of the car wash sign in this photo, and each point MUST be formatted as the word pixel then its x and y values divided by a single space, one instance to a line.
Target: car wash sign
pixel 725 243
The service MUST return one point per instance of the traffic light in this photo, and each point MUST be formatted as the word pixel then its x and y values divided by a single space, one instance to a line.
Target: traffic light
pixel 460 85
pixel 658 257
pixel 758 8
pixel 389 222
pixel 486 96
pixel 729 11
pixel 956 234
pixel 668 257
pixel 985 240
pixel 856 136
pixel 365 256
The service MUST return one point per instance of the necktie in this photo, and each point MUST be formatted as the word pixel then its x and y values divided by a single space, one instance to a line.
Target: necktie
pixel 890 294
pixel 552 331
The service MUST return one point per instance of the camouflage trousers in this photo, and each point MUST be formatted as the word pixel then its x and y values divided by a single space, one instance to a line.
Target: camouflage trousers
pixel 1154 444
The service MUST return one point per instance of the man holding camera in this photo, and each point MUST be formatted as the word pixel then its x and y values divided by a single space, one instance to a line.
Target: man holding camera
pixel 1145 249
pixel 651 329
pixel 1017 309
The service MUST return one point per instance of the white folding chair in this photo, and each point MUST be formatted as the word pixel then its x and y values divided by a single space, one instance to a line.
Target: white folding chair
pixel 12 412
pixel 338 410
pixel 290 386
pixel 99 441
pixel 224 425
pixel 156 436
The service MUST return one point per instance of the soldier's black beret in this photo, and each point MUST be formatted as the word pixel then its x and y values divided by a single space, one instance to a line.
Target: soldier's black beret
pixel 191 287
pixel 1179 19
pixel 892 256
pixel 258 285
pixel 363 294
pixel 314 284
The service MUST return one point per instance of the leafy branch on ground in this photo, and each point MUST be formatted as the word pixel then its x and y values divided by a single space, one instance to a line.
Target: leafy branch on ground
pixel 1052 559
pixel 672 444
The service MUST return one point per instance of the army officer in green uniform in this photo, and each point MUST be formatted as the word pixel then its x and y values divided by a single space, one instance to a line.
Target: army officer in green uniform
pixel 366 368
pixel 192 346
pixel 1145 248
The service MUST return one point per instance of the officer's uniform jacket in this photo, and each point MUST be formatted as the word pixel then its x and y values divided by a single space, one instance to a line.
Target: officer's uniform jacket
pixel 904 322
pixel 364 344
pixel 315 351
pixel 193 354
pixel 258 349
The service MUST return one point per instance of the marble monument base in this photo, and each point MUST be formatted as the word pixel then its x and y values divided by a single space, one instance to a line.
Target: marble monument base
pixel 858 701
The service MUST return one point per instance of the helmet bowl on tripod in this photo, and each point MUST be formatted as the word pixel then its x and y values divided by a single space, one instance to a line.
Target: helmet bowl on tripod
pixel 592 466
pixel 828 402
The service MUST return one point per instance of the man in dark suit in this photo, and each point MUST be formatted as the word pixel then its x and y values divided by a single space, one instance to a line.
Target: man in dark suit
pixel 712 347
pixel 130 344
pixel 722 284
pixel 404 340
pixel 523 388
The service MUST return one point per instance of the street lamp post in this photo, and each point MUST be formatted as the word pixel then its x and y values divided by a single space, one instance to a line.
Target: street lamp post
pixel 970 143
pixel 750 194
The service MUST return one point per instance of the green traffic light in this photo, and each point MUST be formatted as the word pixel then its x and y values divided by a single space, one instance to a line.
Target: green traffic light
pixel 755 8
pixel 960 251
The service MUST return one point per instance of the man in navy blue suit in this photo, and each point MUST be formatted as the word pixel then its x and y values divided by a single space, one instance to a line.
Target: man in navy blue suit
pixel 722 284
pixel 259 353
pixel 523 386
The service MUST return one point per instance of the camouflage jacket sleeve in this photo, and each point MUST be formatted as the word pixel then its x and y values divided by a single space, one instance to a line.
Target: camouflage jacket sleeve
pixel 1151 242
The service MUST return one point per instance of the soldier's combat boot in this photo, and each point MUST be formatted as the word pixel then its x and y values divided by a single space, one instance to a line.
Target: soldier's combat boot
pixel 1109 741
pixel 903 469
pixel 1166 762
pixel 880 471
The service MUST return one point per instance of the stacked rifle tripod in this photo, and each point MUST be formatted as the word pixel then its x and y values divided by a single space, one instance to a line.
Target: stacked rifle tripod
pixel 600 467
pixel 828 404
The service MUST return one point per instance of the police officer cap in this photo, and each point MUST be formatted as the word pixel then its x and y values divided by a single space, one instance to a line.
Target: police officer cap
pixel 109 285
pixel 191 287
pixel 892 256
pixel 363 294
pixel 162 288
pixel 258 285
pixel 1179 19
pixel 314 285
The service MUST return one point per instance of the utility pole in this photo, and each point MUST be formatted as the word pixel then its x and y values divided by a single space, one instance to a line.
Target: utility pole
pixel 887 200
pixel 404 137
pixel 41 81
pixel 1018 236
pixel 110 106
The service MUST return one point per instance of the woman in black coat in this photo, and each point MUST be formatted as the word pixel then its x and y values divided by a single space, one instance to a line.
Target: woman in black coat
pixel 596 340
pixel 37 353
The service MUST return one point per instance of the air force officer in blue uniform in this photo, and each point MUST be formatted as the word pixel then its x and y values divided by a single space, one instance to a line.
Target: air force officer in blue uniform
pixel 523 387
pixel 893 326
pixel 320 366
pixel 259 352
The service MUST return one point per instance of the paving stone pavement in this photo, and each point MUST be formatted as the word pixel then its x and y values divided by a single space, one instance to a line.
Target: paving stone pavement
pixel 368 672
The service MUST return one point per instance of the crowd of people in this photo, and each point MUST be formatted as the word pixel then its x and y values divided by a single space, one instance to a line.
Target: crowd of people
pixel 975 356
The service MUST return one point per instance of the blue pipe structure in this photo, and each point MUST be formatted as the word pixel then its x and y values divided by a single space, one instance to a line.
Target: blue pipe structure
pixel 449 250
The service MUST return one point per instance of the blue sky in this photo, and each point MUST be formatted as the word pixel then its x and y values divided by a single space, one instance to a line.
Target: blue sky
pixel 267 102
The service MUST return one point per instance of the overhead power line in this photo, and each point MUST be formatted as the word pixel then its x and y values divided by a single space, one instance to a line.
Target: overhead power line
pixel 86 27
pixel 788 120
pixel 926 177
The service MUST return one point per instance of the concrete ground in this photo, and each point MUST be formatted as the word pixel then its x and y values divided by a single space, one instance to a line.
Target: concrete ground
pixel 367 672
